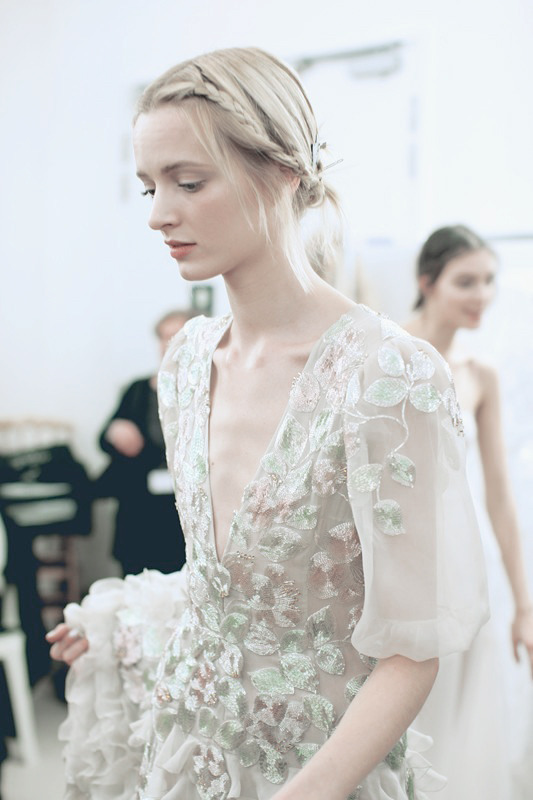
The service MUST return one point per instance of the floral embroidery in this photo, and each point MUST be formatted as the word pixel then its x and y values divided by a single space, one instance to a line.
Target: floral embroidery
pixel 249 674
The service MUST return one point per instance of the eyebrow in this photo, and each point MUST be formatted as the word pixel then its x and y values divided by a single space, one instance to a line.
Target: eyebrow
pixel 176 165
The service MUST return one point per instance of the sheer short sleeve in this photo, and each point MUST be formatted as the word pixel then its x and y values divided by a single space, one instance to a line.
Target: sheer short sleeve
pixel 425 590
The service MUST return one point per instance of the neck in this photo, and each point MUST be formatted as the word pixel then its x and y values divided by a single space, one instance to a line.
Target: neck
pixel 436 332
pixel 268 302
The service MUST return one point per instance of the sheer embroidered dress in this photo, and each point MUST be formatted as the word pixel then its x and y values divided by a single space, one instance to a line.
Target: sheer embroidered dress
pixel 354 541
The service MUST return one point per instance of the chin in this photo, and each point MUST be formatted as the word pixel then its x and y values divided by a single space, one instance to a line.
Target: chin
pixel 472 324
pixel 189 272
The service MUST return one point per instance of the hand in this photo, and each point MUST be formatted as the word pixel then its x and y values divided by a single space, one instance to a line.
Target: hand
pixel 522 633
pixel 125 437
pixel 67 644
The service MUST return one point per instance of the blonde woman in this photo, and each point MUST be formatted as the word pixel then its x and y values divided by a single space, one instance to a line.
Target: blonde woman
pixel 466 713
pixel 315 449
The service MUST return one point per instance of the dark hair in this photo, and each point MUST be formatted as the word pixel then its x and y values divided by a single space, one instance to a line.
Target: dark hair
pixel 443 245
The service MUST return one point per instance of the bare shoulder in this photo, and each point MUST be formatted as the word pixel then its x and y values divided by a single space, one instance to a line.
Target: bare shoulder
pixel 486 374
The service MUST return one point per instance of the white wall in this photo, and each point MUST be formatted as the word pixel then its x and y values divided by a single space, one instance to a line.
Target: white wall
pixel 83 276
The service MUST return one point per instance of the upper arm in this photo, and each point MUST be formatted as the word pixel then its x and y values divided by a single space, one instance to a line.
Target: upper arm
pixel 490 429
pixel 424 586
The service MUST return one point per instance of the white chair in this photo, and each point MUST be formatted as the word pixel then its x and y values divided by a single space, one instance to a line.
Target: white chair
pixel 13 658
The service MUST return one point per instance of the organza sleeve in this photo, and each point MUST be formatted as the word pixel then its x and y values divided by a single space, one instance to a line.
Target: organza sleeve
pixel 425 587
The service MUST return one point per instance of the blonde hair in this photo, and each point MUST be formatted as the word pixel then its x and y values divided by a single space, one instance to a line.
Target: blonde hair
pixel 250 110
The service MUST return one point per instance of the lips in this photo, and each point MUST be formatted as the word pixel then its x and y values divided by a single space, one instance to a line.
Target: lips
pixel 179 250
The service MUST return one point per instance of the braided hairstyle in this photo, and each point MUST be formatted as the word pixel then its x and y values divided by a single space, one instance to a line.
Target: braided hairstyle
pixel 250 111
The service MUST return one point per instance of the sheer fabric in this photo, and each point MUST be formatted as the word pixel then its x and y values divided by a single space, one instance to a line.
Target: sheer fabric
pixel 354 541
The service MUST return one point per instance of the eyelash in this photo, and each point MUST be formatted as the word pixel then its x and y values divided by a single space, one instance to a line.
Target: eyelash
pixel 190 187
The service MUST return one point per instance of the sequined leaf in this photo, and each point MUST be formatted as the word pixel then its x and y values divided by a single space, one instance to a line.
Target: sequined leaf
pixel 271 681
pixel 286 610
pixel 248 753
pixel 388 516
pixel 304 518
pixel 166 389
pixel 231 660
pixel 386 392
pixel 425 397
pixel 185 397
pixel 325 577
pixel 320 429
pixel 305 393
pixel 232 695
pixel 220 581
pixel 304 751
pixel 299 671
pixel 420 367
pixel 330 659
pixel 341 542
pixel 272 764
pixel 297 484
pixel 164 722
pixel 396 756
pixel 328 475
pixel 185 717
pixel 293 726
pixel 390 329
pixel 207 721
pixel 291 439
pixel 402 469
pixel 353 392
pixel 274 464
pixel 334 446
pixel 269 710
pixel 320 711
pixel 230 735
pixel 294 641
pixel 262 597
pixel 320 626
pixel 366 478
pixel 261 640
pixel 353 686
pixel 280 544
pixel 211 616
pixel 391 361
pixel 235 626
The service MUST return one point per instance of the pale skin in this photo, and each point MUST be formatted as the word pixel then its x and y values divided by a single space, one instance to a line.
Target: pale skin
pixel 275 324
pixel 457 299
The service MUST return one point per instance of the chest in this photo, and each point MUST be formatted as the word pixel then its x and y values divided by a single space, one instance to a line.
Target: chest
pixel 247 406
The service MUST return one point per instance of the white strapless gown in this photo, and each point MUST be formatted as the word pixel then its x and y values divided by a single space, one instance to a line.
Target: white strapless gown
pixel 475 712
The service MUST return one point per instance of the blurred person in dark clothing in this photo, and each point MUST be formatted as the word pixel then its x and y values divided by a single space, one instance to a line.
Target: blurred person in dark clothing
pixel 148 533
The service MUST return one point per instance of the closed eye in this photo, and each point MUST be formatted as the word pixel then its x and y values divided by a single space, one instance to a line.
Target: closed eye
pixel 147 192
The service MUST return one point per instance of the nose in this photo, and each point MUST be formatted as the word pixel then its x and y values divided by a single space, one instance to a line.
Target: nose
pixel 164 212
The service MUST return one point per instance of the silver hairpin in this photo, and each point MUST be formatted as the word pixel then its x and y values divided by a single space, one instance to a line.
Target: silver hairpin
pixel 334 164
pixel 316 147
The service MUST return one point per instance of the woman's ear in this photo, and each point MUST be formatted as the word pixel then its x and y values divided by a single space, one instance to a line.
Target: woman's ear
pixel 292 179
pixel 425 285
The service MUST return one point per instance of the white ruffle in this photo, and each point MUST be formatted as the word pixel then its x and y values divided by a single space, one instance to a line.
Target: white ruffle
pixel 384 783
pixel 127 623
pixel 172 776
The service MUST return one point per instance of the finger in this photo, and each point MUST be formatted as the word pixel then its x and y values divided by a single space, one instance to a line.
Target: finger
pixel 57 651
pixel 75 650
pixel 57 633
pixel 516 651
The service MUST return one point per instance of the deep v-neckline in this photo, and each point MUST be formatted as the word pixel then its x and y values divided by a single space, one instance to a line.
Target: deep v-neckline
pixel 310 358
